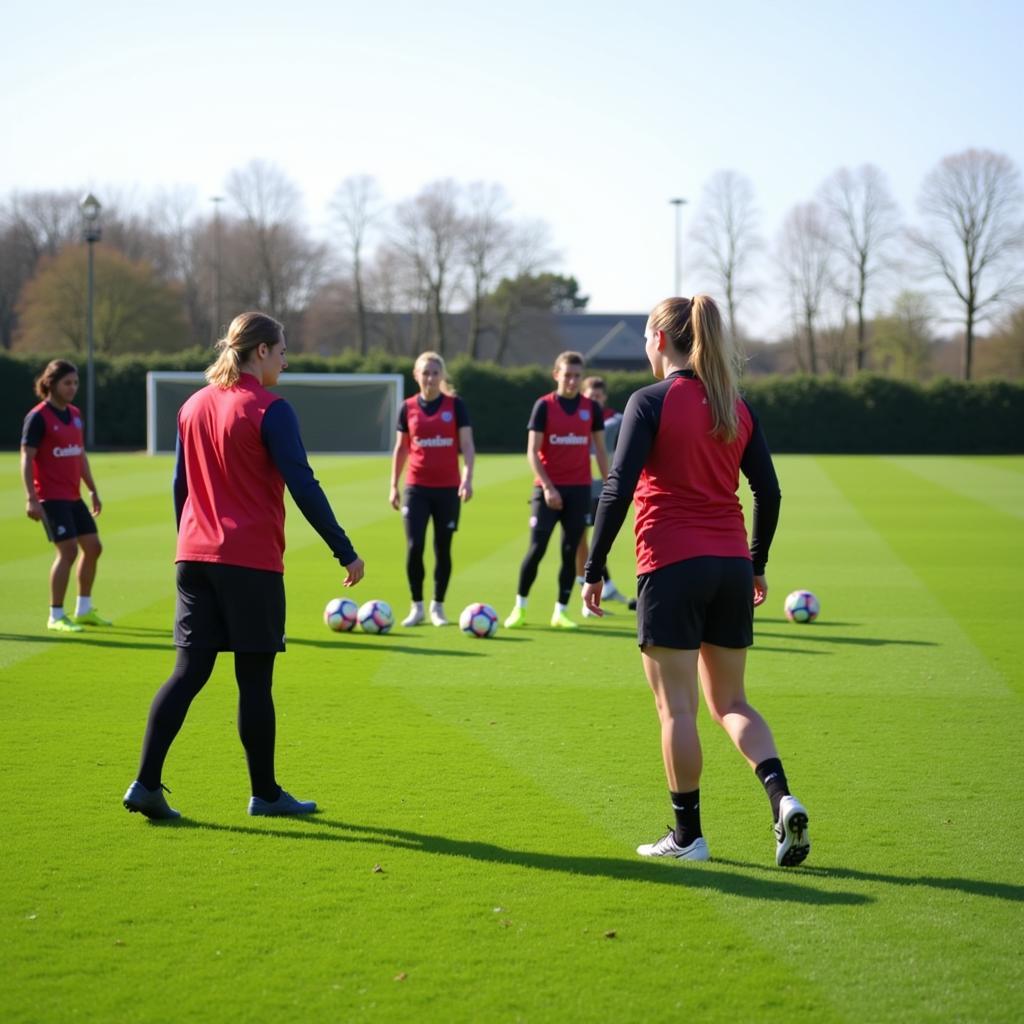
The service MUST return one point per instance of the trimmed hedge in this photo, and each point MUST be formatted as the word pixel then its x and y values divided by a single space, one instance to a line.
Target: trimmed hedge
pixel 866 414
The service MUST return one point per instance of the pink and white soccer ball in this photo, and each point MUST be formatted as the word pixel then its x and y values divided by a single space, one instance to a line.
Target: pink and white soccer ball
pixel 479 620
pixel 340 614
pixel 376 616
pixel 802 606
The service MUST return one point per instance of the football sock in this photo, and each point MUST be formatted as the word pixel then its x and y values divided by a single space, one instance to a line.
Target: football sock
pixel 687 811
pixel 56 612
pixel 580 581
pixel 520 601
pixel 610 590
pixel 773 778
pixel 83 605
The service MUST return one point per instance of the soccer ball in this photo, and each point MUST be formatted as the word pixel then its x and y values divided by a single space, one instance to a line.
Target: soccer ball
pixel 376 616
pixel 479 620
pixel 340 614
pixel 802 606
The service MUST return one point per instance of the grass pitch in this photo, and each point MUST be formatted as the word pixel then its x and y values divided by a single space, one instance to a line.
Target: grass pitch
pixel 473 858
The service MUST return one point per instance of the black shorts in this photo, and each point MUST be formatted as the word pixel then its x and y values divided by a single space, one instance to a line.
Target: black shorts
pixel 229 608
pixel 574 515
pixel 66 520
pixel 421 504
pixel 700 600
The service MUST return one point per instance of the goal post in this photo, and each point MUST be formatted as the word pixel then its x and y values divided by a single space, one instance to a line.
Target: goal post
pixel 339 413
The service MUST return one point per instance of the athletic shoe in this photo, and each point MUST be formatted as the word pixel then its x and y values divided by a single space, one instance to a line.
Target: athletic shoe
pixel 150 802
pixel 792 841
pixel 516 618
pixel 437 614
pixel 92 618
pixel 631 604
pixel 612 593
pixel 284 804
pixel 63 625
pixel 668 847
pixel 415 616
pixel 559 620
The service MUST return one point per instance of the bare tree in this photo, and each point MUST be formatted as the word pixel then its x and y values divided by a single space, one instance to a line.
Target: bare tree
pixel 973 237
pixel 725 237
pixel 805 252
pixel 865 222
pixel 487 237
pixel 429 233
pixel 356 206
pixel 287 262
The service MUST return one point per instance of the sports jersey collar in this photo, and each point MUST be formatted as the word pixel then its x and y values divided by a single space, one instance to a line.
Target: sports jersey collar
pixel 688 374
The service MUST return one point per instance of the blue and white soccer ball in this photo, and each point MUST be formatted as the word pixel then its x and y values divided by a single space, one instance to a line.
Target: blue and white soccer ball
pixel 376 616
pixel 341 614
pixel 802 606
pixel 479 620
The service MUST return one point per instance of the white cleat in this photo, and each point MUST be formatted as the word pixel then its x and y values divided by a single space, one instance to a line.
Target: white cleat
pixel 791 838
pixel 668 847
pixel 415 616
pixel 437 616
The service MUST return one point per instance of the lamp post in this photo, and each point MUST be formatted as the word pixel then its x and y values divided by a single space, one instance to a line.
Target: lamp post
pixel 678 204
pixel 92 233
pixel 216 200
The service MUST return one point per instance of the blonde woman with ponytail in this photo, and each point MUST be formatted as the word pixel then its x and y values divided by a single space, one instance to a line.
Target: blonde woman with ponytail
pixel 238 448
pixel 682 446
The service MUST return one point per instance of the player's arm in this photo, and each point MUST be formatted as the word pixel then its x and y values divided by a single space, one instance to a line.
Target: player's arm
pixel 399 456
pixel 33 508
pixel 534 439
pixel 601 454
pixel 757 466
pixel 90 483
pixel 280 433
pixel 179 483
pixel 468 450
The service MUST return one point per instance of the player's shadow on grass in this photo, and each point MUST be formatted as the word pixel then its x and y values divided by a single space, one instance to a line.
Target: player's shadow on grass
pixel 758 617
pixel 972 886
pixel 707 876
pixel 96 639
pixel 857 641
pixel 383 644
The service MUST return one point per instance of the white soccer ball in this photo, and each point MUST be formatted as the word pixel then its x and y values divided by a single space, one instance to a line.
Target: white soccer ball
pixel 340 614
pixel 479 620
pixel 376 616
pixel 802 606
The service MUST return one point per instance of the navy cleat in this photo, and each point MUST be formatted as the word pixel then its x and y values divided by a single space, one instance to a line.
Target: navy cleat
pixel 150 802
pixel 285 804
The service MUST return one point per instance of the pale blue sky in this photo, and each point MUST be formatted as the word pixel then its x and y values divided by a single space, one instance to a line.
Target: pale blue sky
pixel 590 114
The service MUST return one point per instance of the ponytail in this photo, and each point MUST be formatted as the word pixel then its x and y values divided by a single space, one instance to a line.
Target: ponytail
pixel 245 334
pixel 694 327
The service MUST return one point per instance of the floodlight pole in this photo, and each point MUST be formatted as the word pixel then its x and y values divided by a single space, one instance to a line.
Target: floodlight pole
pixel 678 281
pixel 216 200
pixel 92 233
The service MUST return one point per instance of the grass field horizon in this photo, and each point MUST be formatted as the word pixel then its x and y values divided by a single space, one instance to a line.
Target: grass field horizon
pixel 480 801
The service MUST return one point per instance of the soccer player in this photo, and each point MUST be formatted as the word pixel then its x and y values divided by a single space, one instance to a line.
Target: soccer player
pixel 684 441
pixel 433 427
pixel 53 466
pixel 595 388
pixel 238 447
pixel 561 428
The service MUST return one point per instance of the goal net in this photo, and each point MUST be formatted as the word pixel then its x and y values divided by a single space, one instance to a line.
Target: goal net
pixel 340 413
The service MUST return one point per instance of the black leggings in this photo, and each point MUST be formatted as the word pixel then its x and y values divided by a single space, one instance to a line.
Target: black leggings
pixel 254 673
pixel 573 515
pixel 421 505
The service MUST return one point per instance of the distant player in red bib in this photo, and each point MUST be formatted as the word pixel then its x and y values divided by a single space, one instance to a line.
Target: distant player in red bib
pixel 433 428
pixel 238 448
pixel 683 444
pixel 53 466
pixel 562 427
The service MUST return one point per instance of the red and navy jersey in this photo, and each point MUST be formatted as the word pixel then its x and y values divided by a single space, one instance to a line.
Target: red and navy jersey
pixel 567 425
pixel 433 429
pixel 57 437
pixel 234 511
pixel 684 481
